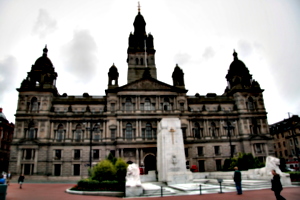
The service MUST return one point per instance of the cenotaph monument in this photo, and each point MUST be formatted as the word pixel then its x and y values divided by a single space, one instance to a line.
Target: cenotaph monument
pixel 171 161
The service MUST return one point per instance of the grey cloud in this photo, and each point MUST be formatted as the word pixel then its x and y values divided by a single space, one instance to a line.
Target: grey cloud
pixel 81 59
pixel 8 68
pixel 208 53
pixel 44 24
pixel 245 47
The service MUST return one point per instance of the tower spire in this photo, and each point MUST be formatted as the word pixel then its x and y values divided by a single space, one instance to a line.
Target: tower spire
pixel 139 7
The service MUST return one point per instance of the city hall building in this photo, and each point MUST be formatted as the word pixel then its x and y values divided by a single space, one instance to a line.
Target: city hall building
pixel 62 135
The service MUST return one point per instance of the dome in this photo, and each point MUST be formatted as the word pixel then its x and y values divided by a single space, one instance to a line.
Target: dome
pixel 43 62
pixel 113 69
pixel 237 67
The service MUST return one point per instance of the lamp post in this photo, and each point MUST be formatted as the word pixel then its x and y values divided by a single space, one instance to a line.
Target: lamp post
pixel 228 128
pixel 91 128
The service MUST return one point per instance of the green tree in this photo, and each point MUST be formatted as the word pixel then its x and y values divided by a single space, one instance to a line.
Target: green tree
pixel 103 171
pixel 121 167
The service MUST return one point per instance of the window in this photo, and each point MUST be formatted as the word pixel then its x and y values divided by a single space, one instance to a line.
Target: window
pixel 57 169
pixel 166 104
pixel 251 104
pixel 96 132
pixel 76 154
pixel 200 151
pixel 60 132
pixel 217 150
pixel 213 129
pixel 113 134
pixel 28 169
pixel 57 155
pixel 31 133
pixel 291 142
pixel 181 106
pixel 128 105
pixel 28 154
pixel 283 143
pixel 219 165
pixel 76 169
pixel 186 151
pixel 96 154
pixel 285 152
pixel 147 104
pixel 148 131
pixel 259 148
pixel 196 130
pixel 112 107
pixel 78 133
pixel 34 105
pixel 201 164
pixel 128 131
pixel 279 145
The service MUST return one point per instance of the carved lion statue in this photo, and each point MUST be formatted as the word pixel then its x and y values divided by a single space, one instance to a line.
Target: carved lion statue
pixel 271 163
pixel 133 175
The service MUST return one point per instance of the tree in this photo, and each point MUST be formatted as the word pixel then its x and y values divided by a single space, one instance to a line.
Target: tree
pixel 103 171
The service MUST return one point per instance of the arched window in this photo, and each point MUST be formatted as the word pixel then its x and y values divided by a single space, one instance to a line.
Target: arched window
pixel 142 61
pixel 128 131
pixel 166 104
pixel 34 104
pixel 60 132
pixel 196 130
pixel 147 105
pixel 148 131
pixel 254 128
pixel 78 133
pixel 250 103
pixel 128 104
pixel 96 132
pixel 136 61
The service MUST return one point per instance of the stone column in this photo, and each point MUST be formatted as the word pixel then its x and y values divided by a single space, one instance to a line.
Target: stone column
pixel 137 156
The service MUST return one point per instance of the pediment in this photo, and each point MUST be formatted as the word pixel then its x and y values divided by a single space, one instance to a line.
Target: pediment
pixel 147 84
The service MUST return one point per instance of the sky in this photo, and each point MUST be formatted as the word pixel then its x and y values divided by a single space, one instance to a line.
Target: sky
pixel 84 39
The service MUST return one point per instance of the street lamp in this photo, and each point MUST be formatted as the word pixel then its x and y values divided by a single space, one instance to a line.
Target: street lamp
pixel 228 128
pixel 91 128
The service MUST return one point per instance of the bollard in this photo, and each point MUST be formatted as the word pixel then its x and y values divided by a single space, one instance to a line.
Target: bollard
pixel 200 189
pixel 220 181
pixel 220 187
pixel 161 191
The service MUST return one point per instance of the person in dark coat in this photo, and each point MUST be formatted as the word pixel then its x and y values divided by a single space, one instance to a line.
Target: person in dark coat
pixel 276 185
pixel 21 180
pixel 237 177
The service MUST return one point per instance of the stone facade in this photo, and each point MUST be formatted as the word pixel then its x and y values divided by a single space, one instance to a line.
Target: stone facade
pixel 6 136
pixel 61 135
pixel 286 138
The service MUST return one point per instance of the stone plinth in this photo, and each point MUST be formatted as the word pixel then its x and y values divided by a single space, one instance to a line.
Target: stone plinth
pixel 171 160
pixel 135 191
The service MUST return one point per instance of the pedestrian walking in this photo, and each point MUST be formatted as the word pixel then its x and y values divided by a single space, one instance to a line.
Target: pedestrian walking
pixel 8 177
pixel 276 185
pixel 21 180
pixel 237 177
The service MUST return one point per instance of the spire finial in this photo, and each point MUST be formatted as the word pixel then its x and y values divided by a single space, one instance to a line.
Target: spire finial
pixel 45 50
pixel 234 54
pixel 139 7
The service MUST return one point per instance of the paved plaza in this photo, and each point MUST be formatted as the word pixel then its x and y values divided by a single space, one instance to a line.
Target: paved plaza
pixel 51 191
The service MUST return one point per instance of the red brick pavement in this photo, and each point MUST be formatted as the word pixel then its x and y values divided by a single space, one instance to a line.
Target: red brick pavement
pixel 53 191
